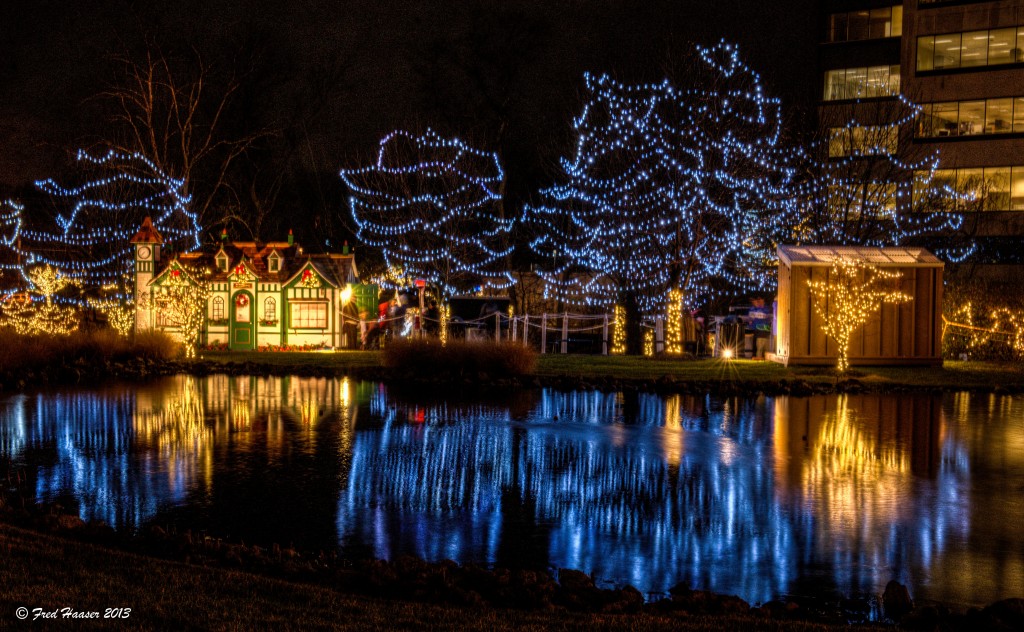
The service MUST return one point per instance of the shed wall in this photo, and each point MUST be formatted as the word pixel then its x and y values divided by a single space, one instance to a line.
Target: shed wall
pixel 905 333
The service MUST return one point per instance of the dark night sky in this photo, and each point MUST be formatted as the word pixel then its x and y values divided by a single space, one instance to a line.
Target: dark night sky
pixel 505 74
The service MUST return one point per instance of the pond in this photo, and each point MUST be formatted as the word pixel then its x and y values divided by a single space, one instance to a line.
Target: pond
pixel 761 497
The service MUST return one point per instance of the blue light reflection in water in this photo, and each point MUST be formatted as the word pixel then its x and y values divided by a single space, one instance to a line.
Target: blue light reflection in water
pixel 758 497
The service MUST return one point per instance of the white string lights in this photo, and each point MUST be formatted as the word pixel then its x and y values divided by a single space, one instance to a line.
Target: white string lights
pixel 88 237
pixel 432 206
pixel 862 190
pixel 685 188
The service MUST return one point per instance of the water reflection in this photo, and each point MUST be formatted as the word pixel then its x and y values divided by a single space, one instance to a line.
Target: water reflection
pixel 759 497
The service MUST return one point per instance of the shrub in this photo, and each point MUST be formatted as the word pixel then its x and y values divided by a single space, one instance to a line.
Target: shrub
pixel 983 298
pixel 85 346
pixel 427 356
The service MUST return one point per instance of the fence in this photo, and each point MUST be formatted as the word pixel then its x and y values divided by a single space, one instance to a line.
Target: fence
pixel 548 333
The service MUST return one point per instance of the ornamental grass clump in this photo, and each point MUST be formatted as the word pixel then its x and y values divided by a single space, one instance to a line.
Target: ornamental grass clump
pixel 428 358
pixel 85 347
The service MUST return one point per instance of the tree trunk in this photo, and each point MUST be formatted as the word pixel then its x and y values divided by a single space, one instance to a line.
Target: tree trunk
pixel 634 334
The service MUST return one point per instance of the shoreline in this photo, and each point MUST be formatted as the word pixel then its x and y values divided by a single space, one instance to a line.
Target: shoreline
pixel 467 589
pixel 686 377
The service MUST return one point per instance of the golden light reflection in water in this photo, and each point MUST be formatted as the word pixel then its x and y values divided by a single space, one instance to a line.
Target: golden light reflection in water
pixel 672 433
pixel 177 429
pixel 185 427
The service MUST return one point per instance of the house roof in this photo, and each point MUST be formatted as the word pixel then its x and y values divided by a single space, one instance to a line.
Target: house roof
pixel 147 234
pixel 889 257
pixel 336 269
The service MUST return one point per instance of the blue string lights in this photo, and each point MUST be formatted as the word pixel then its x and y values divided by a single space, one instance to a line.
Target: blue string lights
pixel 865 188
pixel 433 207
pixel 87 236
pixel 686 188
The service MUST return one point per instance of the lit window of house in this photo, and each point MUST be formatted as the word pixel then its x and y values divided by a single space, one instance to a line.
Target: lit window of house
pixel 309 315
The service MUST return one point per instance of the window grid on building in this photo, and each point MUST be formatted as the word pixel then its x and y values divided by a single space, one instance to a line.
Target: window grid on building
pixel 971 49
pixel 217 310
pixel 970 118
pixel 867 140
pixel 862 83
pixel 270 308
pixel 865 24
pixel 987 188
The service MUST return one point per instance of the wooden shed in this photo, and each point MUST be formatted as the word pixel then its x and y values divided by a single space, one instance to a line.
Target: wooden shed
pixel 899 334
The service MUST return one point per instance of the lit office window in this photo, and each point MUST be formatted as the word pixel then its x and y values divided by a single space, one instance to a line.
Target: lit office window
pixel 986 189
pixel 868 140
pixel 862 83
pixel 971 49
pixel 970 118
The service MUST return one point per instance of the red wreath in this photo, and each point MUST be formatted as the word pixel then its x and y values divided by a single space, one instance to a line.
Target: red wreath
pixel 241 300
pixel 307 274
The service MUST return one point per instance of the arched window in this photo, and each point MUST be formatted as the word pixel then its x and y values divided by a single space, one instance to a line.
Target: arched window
pixel 218 308
pixel 270 308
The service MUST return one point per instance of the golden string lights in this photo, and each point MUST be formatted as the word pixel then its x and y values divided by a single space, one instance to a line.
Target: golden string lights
pixel 1003 325
pixel 182 299
pixel 619 330
pixel 674 324
pixel 853 291
pixel 36 311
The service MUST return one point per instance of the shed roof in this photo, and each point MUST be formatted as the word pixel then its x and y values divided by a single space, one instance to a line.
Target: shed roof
pixel 890 257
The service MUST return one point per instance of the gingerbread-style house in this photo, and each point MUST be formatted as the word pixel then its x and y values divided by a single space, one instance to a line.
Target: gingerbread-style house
pixel 262 295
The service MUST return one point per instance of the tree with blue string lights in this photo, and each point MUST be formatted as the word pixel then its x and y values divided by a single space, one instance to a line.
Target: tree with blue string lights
pixel 867 183
pixel 85 233
pixel 433 207
pixel 673 190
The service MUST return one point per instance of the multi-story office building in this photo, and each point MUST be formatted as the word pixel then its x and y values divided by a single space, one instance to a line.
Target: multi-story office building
pixel 963 62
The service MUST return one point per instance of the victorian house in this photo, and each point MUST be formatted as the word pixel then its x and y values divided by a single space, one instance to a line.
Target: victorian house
pixel 260 294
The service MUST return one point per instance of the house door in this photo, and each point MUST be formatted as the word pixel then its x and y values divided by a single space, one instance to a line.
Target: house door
pixel 242 322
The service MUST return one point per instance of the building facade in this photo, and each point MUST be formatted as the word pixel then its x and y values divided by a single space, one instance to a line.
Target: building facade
pixel 261 295
pixel 961 61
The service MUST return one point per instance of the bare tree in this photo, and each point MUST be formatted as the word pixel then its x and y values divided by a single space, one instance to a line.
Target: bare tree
pixel 177 111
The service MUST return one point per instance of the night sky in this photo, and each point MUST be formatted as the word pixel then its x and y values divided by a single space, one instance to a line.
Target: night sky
pixel 331 78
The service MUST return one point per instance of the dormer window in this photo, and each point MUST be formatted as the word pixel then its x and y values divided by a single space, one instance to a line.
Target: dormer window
pixel 273 262
pixel 222 262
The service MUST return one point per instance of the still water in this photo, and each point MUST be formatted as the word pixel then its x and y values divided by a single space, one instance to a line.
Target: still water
pixel 757 497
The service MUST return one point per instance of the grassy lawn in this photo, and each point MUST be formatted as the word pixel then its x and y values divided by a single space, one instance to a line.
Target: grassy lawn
pixel 43 571
pixel 952 375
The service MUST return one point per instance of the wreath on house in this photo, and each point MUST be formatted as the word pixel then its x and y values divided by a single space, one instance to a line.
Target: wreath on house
pixel 241 300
